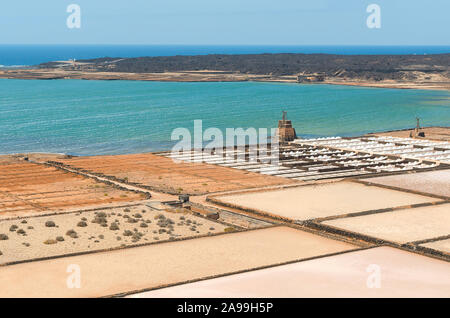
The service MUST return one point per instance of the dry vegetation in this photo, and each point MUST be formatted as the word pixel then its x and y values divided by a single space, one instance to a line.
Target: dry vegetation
pixel 44 236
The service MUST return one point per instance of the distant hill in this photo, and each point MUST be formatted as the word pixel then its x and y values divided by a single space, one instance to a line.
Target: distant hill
pixel 370 67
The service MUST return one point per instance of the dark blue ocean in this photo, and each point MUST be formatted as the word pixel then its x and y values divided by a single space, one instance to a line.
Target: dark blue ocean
pixel 20 55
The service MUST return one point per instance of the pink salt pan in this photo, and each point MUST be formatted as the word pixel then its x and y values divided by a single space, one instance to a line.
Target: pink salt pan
pixel 375 272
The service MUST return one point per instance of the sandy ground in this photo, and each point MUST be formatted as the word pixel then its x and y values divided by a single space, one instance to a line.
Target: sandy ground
pixel 27 187
pixel 156 265
pixel 433 182
pixel 431 133
pixel 440 84
pixel 187 76
pixel 144 223
pixel 401 226
pixel 316 201
pixel 442 245
pixel 436 83
pixel 402 274
pixel 35 156
pixel 164 174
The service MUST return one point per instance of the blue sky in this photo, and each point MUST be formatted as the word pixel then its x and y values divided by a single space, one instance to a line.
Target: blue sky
pixel 210 22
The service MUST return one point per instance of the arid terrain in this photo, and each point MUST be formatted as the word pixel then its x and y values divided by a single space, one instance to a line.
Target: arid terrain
pixel 391 71
pixel 431 133
pixel 171 176
pixel 152 225
pixel 77 232
pixel 38 189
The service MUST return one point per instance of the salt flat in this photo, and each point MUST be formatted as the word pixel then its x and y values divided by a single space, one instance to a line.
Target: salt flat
pixel 442 245
pixel 433 182
pixel 138 268
pixel 400 226
pixel 315 201
pixel 353 274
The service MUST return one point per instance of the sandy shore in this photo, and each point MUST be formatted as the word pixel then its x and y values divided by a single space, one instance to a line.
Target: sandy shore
pixel 439 85
pixel 213 76
pixel 431 133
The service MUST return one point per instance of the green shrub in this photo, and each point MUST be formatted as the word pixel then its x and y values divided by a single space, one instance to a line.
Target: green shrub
pixel 229 229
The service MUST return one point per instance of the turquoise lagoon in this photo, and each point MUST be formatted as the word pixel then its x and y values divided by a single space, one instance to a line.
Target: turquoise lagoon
pixel 116 117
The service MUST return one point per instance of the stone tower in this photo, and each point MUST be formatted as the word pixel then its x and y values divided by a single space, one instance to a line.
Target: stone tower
pixel 285 130
pixel 417 131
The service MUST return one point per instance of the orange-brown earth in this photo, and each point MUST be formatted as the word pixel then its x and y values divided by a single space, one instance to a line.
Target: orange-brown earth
pixel 29 187
pixel 163 174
